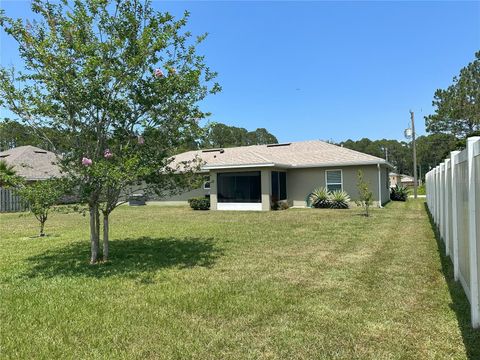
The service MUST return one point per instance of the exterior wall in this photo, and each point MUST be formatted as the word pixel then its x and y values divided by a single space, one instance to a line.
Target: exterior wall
pixel 385 182
pixel 266 178
pixel 300 182
pixel 213 190
pixel 395 180
pixel 183 197
pixel 171 199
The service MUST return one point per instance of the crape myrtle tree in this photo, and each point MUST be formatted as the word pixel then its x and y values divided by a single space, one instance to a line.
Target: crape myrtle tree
pixel 122 83
pixel 41 197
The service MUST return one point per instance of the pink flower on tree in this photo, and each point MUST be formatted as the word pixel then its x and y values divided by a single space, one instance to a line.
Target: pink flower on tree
pixel 86 161
pixel 140 140
pixel 107 154
pixel 158 73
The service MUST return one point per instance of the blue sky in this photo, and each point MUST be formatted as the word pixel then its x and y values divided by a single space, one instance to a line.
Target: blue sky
pixel 323 70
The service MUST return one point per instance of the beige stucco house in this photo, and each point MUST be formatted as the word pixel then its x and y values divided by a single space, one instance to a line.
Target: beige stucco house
pixel 252 177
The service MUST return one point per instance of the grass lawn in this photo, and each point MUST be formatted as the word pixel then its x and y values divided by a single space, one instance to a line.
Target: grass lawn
pixel 292 284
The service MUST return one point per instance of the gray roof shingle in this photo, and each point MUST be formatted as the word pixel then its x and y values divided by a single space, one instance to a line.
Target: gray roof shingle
pixel 314 153
pixel 31 162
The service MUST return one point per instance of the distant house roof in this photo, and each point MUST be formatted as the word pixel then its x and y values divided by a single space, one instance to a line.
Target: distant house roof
pixel 403 177
pixel 407 178
pixel 302 154
pixel 32 163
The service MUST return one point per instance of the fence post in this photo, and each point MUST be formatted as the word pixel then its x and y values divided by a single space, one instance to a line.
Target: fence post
pixel 441 219
pixel 447 191
pixel 437 195
pixel 472 233
pixel 453 157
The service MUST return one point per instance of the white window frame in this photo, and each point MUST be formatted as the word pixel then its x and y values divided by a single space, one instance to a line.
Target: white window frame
pixel 206 182
pixel 341 179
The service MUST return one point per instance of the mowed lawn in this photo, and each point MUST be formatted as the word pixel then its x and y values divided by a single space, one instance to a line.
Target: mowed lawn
pixel 183 284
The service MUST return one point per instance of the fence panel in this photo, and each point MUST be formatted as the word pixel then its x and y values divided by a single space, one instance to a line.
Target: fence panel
pixel 453 198
pixel 462 226
pixel 10 202
pixel 448 208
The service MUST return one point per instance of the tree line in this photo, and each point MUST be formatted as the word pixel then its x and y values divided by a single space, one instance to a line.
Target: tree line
pixel 214 135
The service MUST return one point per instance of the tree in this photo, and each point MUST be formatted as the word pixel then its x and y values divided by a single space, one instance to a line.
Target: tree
pixel 218 135
pixel 457 108
pixel 41 196
pixel 399 153
pixel 433 149
pixel 365 196
pixel 261 136
pixel 14 134
pixel 122 83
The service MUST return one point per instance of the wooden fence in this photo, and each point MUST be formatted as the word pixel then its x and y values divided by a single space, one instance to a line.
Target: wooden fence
pixel 453 198
pixel 10 202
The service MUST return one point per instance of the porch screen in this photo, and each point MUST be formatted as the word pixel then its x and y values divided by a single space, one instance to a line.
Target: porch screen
pixel 239 187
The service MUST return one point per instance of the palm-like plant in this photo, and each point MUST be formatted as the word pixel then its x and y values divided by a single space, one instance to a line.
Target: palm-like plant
pixel 320 198
pixel 7 174
pixel 399 193
pixel 339 200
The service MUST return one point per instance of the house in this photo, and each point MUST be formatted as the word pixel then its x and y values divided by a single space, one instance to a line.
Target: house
pixel 32 163
pixel 395 179
pixel 252 177
pixel 402 180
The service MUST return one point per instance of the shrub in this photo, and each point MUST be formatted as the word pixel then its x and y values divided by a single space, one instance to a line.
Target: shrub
pixel 199 203
pixel 339 200
pixel 399 193
pixel 280 205
pixel 319 198
pixel 421 190
pixel 365 199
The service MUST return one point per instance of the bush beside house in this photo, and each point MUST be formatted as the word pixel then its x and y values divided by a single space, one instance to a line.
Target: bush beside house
pixel 199 203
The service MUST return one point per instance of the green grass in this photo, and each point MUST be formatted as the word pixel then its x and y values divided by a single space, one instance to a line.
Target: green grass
pixel 183 284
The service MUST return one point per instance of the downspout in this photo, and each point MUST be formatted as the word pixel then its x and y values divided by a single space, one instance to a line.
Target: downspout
pixel 379 186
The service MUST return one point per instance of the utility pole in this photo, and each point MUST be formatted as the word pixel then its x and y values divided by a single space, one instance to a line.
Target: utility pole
pixel 415 182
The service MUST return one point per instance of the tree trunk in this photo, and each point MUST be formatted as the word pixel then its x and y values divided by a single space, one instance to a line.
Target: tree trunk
pixel 42 227
pixel 97 228
pixel 93 234
pixel 105 237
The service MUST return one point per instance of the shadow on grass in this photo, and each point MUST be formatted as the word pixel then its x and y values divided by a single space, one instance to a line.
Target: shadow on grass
pixel 460 304
pixel 132 258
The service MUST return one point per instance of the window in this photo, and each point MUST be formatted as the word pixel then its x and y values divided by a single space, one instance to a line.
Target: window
pixel 206 184
pixel 279 185
pixel 239 187
pixel 334 180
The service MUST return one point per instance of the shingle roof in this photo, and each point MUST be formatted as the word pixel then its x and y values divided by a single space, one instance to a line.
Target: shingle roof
pixel 31 162
pixel 302 154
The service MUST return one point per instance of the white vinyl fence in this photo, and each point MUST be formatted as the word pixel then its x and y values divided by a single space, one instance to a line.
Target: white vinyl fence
pixel 453 198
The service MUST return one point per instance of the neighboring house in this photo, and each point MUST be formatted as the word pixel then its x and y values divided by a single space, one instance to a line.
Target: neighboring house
pixel 395 179
pixel 32 163
pixel 251 177
pixel 402 180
